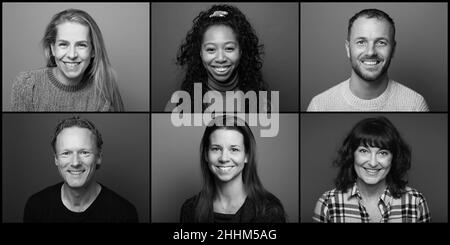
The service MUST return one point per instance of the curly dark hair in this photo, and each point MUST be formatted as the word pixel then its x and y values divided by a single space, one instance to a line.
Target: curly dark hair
pixel 249 69
pixel 375 132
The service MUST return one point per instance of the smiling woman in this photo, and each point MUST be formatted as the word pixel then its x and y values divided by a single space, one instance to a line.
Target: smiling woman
pixel 222 53
pixel 232 191
pixel 371 184
pixel 78 76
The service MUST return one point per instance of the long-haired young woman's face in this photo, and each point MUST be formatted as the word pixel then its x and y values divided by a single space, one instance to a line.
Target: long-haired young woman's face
pixel 72 50
pixel 220 53
pixel 372 164
pixel 226 154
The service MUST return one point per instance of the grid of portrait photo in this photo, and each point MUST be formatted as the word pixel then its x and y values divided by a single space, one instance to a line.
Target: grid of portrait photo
pixel 259 117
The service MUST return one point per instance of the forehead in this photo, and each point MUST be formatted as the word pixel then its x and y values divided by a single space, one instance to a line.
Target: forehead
pixel 227 136
pixel 219 33
pixel 371 28
pixel 75 137
pixel 72 31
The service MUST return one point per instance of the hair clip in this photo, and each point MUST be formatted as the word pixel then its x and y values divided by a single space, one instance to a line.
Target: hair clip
pixel 218 14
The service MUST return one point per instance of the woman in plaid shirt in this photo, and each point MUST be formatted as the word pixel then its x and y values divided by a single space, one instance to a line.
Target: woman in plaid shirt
pixel 371 184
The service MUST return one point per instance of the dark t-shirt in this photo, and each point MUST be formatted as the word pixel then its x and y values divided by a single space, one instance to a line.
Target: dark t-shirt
pixel 47 206
pixel 274 212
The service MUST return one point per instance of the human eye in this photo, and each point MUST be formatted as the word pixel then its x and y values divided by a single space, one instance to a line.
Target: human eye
pixel 64 154
pixel 230 49
pixel 385 153
pixel 214 148
pixel 62 45
pixel 362 150
pixel 235 149
pixel 210 49
pixel 85 153
pixel 82 45
pixel 382 43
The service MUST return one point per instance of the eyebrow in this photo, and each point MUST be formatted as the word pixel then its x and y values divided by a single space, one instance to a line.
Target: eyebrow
pixel 376 39
pixel 228 42
pixel 81 41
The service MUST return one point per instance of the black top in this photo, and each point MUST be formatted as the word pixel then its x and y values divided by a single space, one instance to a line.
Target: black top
pixel 274 212
pixel 47 206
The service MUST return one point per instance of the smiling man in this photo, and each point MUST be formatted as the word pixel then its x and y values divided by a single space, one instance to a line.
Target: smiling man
pixel 77 147
pixel 370 46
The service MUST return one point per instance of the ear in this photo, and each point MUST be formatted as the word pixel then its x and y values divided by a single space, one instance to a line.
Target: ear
pixel 56 160
pixel 99 159
pixel 246 159
pixel 393 49
pixel 347 48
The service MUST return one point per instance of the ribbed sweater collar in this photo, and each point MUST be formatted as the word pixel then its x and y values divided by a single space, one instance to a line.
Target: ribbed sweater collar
pixel 222 87
pixel 59 85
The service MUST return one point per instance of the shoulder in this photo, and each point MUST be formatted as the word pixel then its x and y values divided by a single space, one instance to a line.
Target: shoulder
pixel 408 96
pixel 413 194
pixel 187 214
pixel 46 195
pixel 28 77
pixel 112 198
pixel 189 204
pixel 272 212
pixel 323 99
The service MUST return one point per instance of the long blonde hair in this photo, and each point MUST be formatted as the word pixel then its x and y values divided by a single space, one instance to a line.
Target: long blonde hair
pixel 99 71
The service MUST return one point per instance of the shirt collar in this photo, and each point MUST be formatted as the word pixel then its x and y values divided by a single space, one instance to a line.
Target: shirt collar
pixel 386 198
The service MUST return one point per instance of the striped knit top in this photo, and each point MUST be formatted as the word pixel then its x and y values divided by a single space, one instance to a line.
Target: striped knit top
pixel 396 97
pixel 39 90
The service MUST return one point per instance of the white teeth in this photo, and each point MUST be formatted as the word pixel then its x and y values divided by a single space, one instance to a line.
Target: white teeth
pixel 221 69
pixel 370 62
pixel 372 171
pixel 224 169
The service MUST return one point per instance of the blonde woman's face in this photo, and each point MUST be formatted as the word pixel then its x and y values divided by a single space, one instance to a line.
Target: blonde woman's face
pixel 72 51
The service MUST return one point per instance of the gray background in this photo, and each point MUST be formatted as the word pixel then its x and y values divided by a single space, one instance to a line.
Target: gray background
pixel 125 28
pixel 28 164
pixel 176 172
pixel 420 60
pixel 323 134
pixel 276 25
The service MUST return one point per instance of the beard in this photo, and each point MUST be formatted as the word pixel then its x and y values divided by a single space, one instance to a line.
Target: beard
pixel 369 77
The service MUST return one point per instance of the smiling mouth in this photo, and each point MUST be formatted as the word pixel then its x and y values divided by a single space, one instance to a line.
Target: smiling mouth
pixel 372 171
pixel 224 169
pixel 221 69
pixel 76 172
pixel 71 65
pixel 371 62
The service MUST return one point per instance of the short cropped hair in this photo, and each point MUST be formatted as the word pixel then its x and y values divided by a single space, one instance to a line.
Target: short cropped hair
pixel 76 121
pixel 371 13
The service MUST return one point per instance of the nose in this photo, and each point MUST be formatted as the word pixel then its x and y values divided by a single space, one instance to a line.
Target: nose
pixel 75 161
pixel 220 57
pixel 224 157
pixel 370 49
pixel 373 162
pixel 72 53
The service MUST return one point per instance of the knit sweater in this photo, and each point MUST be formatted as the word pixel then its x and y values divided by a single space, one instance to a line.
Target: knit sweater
pixel 396 97
pixel 39 90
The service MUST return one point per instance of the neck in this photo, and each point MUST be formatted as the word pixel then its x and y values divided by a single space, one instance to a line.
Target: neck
pixel 231 191
pixel 371 192
pixel 79 199
pixel 228 85
pixel 367 90
pixel 64 80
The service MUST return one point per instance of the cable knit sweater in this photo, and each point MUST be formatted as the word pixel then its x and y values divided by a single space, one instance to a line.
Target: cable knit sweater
pixel 39 90
pixel 396 97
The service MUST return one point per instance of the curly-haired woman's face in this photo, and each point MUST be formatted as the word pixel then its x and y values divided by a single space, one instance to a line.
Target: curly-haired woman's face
pixel 220 53
pixel 372 164
pixel 226 154
pixel 72 50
